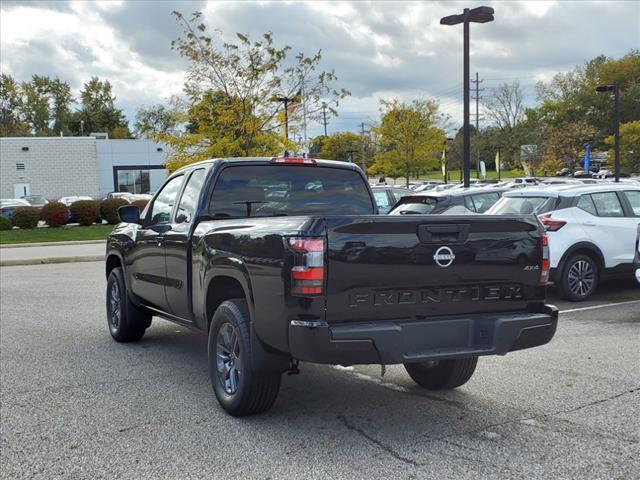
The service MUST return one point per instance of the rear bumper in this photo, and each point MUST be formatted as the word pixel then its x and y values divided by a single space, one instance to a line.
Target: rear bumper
pixel 409 341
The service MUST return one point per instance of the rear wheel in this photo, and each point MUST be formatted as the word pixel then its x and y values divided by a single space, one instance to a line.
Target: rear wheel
pixel 126 322
pixel 579 278
pixel 239 387
pixel 442 374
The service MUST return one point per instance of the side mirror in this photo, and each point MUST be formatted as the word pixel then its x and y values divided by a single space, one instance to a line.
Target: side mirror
pixel 129 213
pixel 182 217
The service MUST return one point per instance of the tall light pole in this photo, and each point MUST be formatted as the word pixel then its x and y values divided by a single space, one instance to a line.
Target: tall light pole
pixel 475 15
pixel 616 124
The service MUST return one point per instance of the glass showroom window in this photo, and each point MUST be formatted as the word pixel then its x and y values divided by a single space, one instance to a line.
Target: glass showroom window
pixel 133 181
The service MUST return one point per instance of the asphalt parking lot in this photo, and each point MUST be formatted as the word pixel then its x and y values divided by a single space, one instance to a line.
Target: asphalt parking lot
pixel 75 404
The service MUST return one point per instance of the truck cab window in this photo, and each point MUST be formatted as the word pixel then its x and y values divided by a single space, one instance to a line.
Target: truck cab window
pixel 286 190
pixel 189 200
pixel 163 203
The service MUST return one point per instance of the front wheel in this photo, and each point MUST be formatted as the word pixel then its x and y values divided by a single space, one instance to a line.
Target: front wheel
pixel 126 322
pixel 240 389
pixel 442 374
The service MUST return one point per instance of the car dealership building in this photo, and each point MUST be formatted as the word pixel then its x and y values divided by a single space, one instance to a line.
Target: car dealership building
pixel 55 167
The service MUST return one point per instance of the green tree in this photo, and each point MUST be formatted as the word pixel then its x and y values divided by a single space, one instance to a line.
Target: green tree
pixel 629 147
pixel 61 98
pixel 339 145
pixel 11 123
pixel 36 105
pixel 237 85
pixel 98 112
pixel 408 138
pixel 159 119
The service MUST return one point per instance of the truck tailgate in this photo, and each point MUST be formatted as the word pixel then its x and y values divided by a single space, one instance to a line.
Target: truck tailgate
pixel 420 266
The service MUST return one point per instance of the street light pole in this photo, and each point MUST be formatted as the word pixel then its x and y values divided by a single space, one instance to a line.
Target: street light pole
pixel 466 132
pixel 616 132
pixel 616 125
pixel 475 15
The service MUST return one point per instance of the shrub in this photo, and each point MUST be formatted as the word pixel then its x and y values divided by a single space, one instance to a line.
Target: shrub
pixel 85 212
pixel 25 217
pixel 140 203
pixel 109 209
pixel 5 223
pixel 54 214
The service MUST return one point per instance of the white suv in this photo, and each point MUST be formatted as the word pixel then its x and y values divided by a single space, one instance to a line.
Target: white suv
pixel 592 231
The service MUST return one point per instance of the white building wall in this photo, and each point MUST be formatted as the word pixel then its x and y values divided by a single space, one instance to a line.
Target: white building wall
pixel 53 166
pixel 129 153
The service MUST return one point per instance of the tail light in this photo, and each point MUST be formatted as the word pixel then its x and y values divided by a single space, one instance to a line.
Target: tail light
pixel 307 273
pixel 293 160
pixel 551 224
pixel 545 265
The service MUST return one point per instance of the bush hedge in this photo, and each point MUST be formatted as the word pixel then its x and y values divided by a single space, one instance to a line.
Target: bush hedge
pixel 25 217
pixel 109 209
pixel 54 214
pixel 5 223
pixel 85 212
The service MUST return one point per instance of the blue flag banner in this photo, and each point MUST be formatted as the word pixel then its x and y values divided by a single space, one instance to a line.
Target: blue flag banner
pixel 587 157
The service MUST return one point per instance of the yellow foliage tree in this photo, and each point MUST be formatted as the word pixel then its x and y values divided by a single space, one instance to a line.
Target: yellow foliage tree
pixel 408 137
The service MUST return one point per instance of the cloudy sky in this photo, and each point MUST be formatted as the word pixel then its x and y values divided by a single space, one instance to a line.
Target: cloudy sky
pixel 379 49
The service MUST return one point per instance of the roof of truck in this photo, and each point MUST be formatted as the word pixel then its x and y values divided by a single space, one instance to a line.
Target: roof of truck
pixel 270 160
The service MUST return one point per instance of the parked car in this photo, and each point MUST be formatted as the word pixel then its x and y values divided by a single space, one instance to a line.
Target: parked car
pixel 35 200
pixel 636 260
pixel 528 181
pixel 603 173
pixel 387 196
pixel 560 181
pixel 427 185
pixel 592 231
pixel 68 201
pixel 581 174
pixel 462 201
pixel 8 205
pixel 317 277
pixel 564 172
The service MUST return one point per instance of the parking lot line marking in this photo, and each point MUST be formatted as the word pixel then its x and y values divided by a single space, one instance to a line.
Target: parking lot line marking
pixel 605 305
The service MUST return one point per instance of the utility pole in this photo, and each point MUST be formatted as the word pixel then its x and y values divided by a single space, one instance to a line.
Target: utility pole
pixel 285 100
pixel 324 118
pixel 477 99
pixel 362 132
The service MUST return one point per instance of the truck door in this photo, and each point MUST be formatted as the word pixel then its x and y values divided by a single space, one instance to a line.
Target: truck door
pixel 148 267
pixel 177 247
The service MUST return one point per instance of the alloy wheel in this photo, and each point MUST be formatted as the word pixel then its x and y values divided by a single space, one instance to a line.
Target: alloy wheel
pixel 228 362
pixel 581 278
pixel 114 302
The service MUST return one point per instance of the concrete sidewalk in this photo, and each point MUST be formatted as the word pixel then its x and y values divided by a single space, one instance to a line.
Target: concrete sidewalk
pixel 34 255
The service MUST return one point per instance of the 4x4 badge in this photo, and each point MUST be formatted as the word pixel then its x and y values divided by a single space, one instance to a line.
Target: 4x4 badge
pixel 444 257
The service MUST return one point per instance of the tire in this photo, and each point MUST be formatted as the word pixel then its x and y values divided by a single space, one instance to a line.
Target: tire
pixel 126 322
pixel 240 391
pixel 442 374
pixel 580 277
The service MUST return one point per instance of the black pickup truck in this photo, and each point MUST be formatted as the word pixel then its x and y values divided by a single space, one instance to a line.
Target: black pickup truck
pixel 281 260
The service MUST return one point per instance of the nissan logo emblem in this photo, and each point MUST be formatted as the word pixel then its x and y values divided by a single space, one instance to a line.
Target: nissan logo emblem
pixel 444 257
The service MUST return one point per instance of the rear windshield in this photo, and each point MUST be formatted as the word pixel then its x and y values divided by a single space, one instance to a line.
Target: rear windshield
pixel 522 205
pixel 415 206
pixel 273 190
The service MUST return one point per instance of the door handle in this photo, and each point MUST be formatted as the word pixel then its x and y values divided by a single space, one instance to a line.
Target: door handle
pixel 589 223
pixel 159 239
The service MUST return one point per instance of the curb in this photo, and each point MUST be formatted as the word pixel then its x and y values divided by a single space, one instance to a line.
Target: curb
pixel 50 260
pixel 52 244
